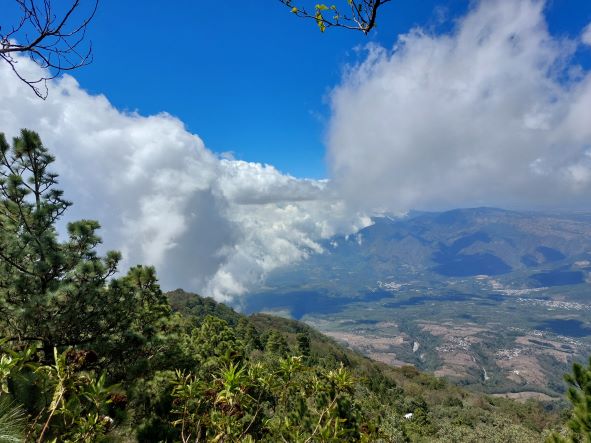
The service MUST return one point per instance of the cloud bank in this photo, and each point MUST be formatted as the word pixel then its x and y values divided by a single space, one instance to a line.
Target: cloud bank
pixel 209 224
pixel 495 113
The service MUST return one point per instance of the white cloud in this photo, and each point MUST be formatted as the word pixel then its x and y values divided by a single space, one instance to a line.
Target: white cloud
pixel 586 36
pixel 207 223
pixel 494 113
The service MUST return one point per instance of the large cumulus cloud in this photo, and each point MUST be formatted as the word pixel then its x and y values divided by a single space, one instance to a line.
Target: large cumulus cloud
pixel 494 113
pixel 208 224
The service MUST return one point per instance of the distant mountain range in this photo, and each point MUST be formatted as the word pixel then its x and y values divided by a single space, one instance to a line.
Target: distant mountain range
pixel 539 249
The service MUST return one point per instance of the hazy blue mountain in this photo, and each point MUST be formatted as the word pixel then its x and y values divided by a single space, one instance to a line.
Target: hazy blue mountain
pixel 544 249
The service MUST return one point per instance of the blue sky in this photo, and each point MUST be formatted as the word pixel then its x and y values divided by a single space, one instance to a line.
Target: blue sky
pixel 249 77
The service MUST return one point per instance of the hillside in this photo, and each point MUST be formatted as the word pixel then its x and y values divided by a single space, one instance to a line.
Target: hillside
pixel 440 411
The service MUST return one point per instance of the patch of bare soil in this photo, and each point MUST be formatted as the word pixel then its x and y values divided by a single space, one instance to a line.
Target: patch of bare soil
pixel 526 395
pixel 369 344
pixel 544 346
pixel 523 368
pixel 387 357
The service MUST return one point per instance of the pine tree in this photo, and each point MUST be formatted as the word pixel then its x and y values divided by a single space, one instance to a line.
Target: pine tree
pixel 61 293
pixel 303 340
pixel 248 335
pixel 276 344
pixel 579 394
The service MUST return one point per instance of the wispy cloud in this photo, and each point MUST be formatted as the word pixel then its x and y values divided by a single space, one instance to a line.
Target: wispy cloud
pixel 586 36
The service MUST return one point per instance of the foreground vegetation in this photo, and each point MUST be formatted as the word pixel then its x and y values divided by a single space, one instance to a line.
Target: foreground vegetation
pixel 88 355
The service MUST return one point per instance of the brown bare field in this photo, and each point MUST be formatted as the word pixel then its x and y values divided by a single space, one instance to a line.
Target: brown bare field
pixel 526 395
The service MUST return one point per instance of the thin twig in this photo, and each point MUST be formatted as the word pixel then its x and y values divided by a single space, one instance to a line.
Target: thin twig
pixel 54 43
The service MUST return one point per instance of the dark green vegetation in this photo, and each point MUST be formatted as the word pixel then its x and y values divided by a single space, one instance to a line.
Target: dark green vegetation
pixel 579 393
pixel 88 356
pixel 496 300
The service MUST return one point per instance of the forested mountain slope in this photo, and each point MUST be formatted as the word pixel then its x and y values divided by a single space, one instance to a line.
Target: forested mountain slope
pixel 384 395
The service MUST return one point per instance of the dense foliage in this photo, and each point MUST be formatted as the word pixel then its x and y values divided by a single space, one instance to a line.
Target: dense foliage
pixel 56 293
pixel 88 355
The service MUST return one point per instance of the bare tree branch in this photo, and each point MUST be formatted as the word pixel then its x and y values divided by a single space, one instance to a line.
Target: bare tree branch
pixel 357 15
pixel 52 36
